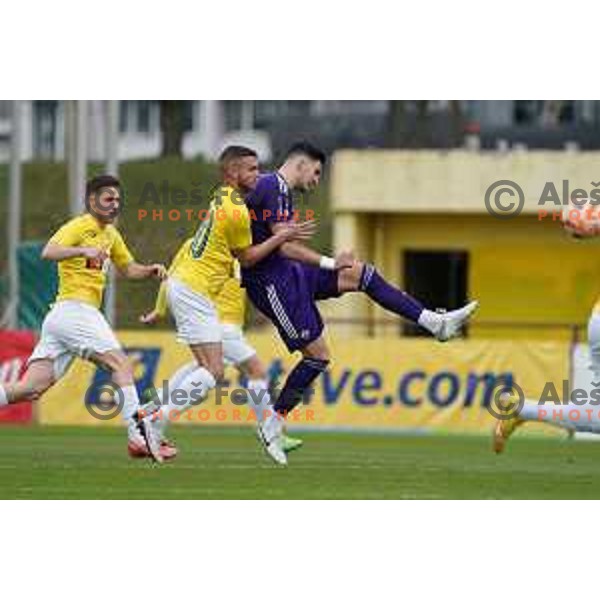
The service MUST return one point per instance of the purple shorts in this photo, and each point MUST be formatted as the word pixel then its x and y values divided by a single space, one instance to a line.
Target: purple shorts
pixel 289 300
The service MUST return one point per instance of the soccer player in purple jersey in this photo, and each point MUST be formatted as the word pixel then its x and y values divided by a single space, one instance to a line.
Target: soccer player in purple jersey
pixel 287 284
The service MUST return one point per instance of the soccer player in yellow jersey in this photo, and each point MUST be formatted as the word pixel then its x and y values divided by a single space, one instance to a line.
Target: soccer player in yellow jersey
pixel 202 270
pixel 75 326
pixel 237 351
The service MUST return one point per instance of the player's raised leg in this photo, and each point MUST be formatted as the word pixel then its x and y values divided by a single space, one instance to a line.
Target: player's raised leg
pixel 364 277
pixel 38 378
pixel 71 329
pixel 566 417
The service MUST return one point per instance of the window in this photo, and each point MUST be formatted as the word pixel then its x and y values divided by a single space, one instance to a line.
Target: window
pixel 436 278
pixel 298 108
pixel 5 109
pixel 124 115
pixel 527 112
pixel 544 113
pixel 233 114
pixel 189 107
pixel 138 116
pixel 143 116
pixel 44 128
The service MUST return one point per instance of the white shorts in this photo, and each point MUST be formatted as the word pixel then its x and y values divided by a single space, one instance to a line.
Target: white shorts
pixel 236 349
pixel 71 329
pixel 196 317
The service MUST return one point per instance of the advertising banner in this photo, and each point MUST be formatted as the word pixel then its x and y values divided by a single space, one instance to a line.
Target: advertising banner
pixel 15 348
pixel 377 384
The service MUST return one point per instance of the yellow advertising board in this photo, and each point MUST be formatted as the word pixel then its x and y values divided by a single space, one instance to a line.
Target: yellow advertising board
pixel 403 384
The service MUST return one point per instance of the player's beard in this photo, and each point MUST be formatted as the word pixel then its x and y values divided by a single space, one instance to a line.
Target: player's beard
pixel 109 218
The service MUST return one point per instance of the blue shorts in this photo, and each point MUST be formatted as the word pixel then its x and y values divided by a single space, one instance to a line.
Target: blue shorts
pixel 289 300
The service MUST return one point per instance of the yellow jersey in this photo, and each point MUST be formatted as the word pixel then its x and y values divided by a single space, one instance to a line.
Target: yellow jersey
pixel 208 261
pixel 230 303
pixel 80 278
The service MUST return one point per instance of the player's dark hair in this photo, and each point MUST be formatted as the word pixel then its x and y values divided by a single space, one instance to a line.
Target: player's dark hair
pixel 307 149
pixel 234 153
pixel 100 181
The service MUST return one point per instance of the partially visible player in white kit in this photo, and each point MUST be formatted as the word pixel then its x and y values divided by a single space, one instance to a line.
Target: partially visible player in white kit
pixel 585 415
pixel 75 326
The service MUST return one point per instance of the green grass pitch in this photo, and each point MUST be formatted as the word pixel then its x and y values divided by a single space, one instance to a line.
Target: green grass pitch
pixel 219 463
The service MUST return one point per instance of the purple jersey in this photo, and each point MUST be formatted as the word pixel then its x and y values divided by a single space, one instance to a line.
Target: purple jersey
pixel 285 290
pixel 270 202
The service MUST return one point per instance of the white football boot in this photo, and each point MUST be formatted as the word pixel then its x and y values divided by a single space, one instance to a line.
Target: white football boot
pixel 270 434
pixel 151 432
pixel 452 322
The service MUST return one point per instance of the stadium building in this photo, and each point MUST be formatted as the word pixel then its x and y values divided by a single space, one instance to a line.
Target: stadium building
pixel 422 217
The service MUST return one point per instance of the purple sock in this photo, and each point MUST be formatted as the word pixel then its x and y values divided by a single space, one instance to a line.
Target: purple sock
pixel 388 296
pixel 298 381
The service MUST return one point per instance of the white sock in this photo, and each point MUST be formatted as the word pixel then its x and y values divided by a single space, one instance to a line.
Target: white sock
pixel 3 396
pixel 131 401
pixel 529 412
pixel 177 377
pixel 259 398
pixel 193 387
pixel 569 416
pixel 430 320
pixel 273 426
pixel 594 344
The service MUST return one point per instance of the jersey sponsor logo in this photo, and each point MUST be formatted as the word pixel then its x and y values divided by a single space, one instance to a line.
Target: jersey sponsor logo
pixel 97 264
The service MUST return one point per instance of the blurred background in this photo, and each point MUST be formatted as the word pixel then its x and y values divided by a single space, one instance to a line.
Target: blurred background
pixel 405 188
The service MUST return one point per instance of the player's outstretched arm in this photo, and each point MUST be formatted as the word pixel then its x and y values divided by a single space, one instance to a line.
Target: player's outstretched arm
pixel 136 270
pixel 300 252
pixel 285 233
pixel 296 250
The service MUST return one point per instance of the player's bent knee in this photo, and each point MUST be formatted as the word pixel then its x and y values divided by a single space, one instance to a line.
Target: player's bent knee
pixel 349 279
pixel 216 369
pixel 218 373
pixel 321 353
pixel 33 389
pixel 36 389
pixel 119 365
